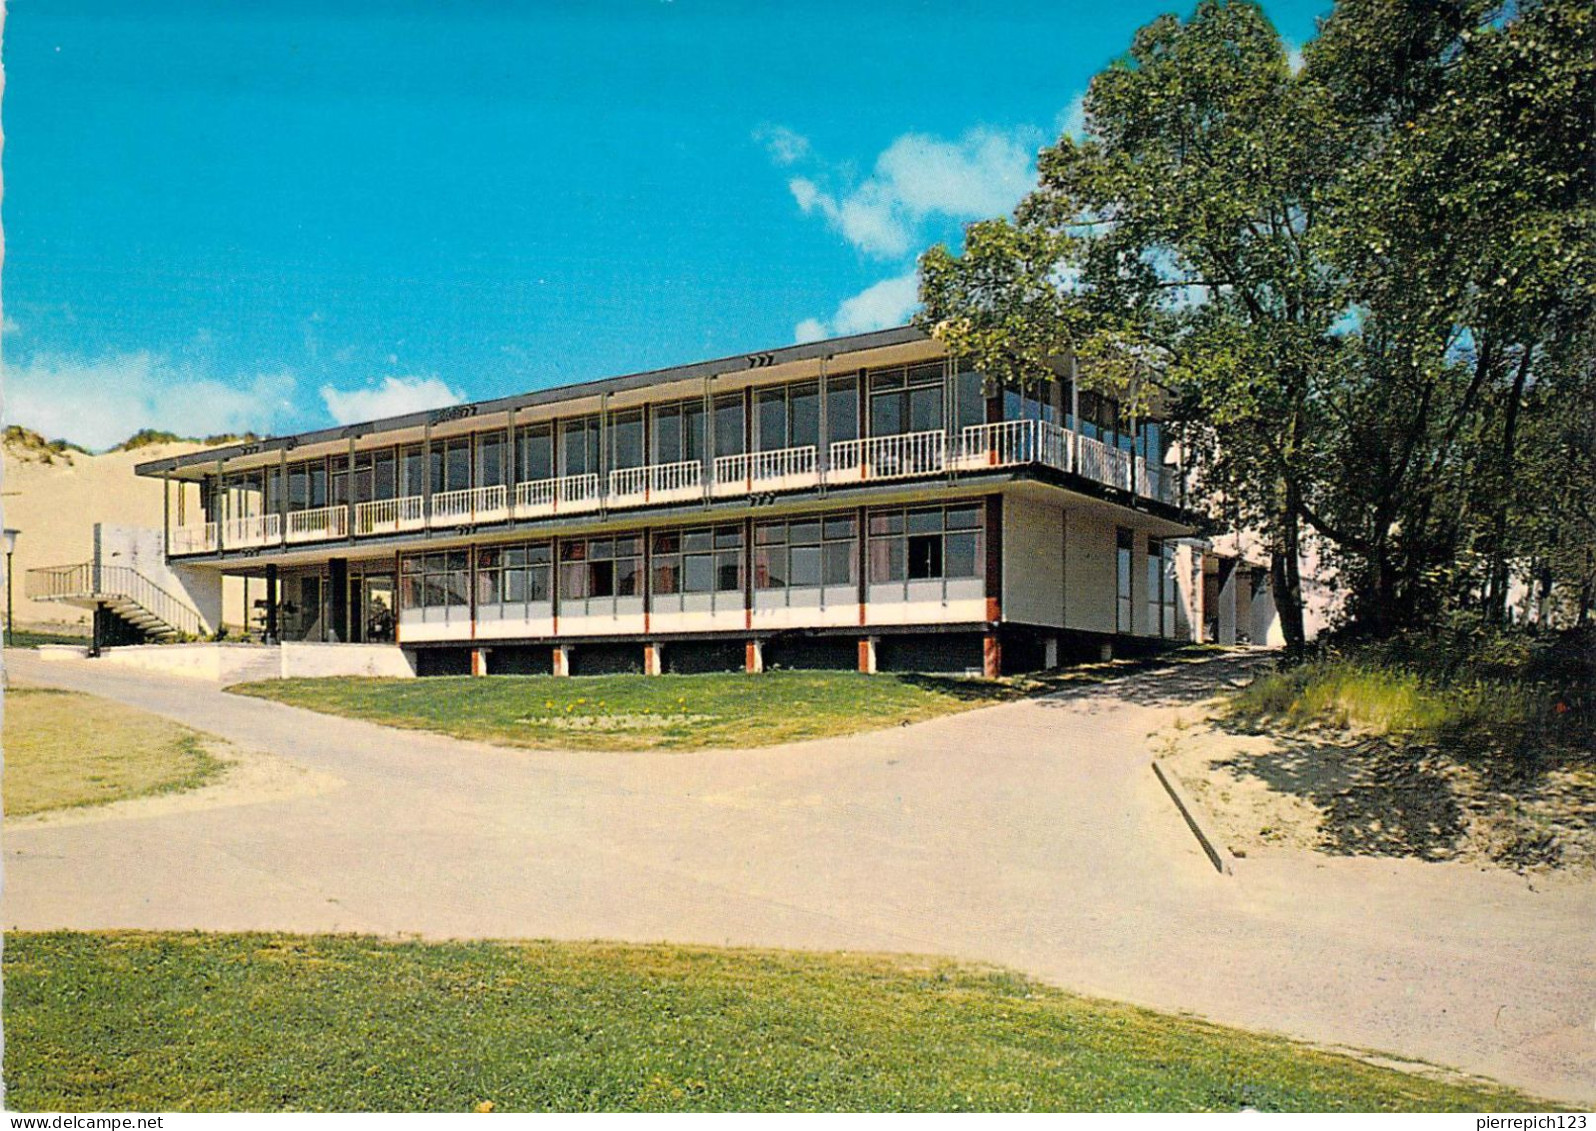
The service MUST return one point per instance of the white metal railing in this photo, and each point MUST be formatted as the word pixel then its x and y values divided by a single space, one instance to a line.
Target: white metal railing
pixel 199 539
pixel 322 522
pixel 1012 442
pixel 552 496
pixel 889 457
pixel 389 516
pixel 471 504
pixel 257 530
pixel 657 483
pixel 1103 464
pixel 779 468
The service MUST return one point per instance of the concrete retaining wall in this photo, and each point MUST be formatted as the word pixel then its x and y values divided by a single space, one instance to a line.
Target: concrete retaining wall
pixel 244 663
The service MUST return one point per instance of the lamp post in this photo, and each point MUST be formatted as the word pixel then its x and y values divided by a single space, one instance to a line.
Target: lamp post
pixel 11 547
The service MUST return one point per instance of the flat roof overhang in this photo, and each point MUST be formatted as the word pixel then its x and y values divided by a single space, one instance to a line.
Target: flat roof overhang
pixel 881 347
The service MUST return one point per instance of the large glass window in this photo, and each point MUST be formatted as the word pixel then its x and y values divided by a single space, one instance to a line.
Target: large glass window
pixel 700 560
pixel 626 439
pixel 579 445
pixel 804 553
pixel 788 416
pixel 451 464
pixel 601 567
pixel 679 432
pixel 1125 544
pixel 842 409
pixel 969 398
pixel 490 460
pixel 435 581
pixel 514 576
pixel 385 474
pixel 729 439
pixel 1161 589
pixel 413 473
pixel 925 543
pixel 906 400
pixel 534 453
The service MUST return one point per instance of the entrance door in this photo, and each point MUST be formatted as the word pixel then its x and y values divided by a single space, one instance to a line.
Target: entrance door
pixel 376 619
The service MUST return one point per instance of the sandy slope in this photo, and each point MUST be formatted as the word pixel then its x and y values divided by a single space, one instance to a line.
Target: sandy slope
pixel 55 505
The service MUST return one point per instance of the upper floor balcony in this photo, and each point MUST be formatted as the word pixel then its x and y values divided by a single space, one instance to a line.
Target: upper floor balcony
pixel 971 450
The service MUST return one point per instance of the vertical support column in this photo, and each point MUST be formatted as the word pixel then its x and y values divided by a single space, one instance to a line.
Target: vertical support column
pixel 479 661
pixel 271 603
pixel 651 659
pixel 991 656
pixel 994 559
pixel 349 490
pixel 426 472
pixel 166 514
pixel 562 659
pixel 282 494
pixel 867 655
pixel 1050 653
pixel 338 598
pixel 1075 414
pixel 221 508
pixel 507 461
pixel 754 656
pixel 823 439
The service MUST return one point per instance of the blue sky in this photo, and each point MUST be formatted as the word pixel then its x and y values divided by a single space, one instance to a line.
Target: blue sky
pixel 273 216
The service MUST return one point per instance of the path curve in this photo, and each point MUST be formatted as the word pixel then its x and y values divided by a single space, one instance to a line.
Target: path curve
pixel 1031 834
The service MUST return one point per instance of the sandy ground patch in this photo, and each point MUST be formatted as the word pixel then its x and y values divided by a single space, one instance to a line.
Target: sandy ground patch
pixel 248 777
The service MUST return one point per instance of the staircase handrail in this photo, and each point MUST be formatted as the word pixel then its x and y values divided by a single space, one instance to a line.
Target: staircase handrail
pixel 88 580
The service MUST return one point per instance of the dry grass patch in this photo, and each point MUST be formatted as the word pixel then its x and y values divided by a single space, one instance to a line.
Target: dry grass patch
pixel 64 749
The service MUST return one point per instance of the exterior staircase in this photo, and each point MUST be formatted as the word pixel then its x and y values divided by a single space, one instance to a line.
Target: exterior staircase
pixel 122 591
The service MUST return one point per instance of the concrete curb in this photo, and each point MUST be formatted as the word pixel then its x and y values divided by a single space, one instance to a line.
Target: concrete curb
pixel 1221 859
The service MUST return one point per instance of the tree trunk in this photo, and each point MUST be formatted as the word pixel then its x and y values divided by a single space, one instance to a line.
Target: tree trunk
pixel 1496 606
pixel 1285 575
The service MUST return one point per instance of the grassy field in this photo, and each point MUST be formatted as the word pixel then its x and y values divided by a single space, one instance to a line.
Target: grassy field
pixel 26 638
pixel 670 712
pixel 65 749
pixel 117 1022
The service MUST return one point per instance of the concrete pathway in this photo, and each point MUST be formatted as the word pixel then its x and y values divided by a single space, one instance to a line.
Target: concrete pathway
pixel 1032 835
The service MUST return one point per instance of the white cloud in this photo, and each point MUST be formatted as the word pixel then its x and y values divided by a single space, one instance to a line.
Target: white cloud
pixel 8 325
pixel 887 303
pixel 1072 119
pixel 785 146
pixel 1293 56
pixel 102 402
pixel 984 173
pixel 395 396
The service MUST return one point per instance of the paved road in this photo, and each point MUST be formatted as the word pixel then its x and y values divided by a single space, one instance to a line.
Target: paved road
pixel 1031 834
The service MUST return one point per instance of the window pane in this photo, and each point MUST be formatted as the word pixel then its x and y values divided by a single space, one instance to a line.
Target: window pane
pixel 573 581
pixel 601 579
pixel 627 571
pixel 729 426
pixel 696 540
pixel 770 567
pixel 925 521
pixel 490 448
pixel 805 532
pixel 538 554
pixel 925 409
pixel 488 588
pixel 770 532
pixel 842 410
pixel 385 473
pixel 666 577
pixel 964 518
pixel 537 583
pixel 698 573
pixel 805 565
pixel 842 527
pixel 971 404
pixel 839 562
pixel 693 447
pixel 626 439
pixel 668 542
pixel 886 522
pixel 886 560
pixel 536 457
pixel 515 586
pixel 628 547
pixel 668 434
pixel 962 555
pixel 886 414
pixel 728 571
pixel 727 537
pixel 803 410
pixel 771 409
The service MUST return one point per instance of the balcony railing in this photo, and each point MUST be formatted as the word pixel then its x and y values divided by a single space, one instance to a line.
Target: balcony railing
pixel 783 469
pixel 259 530
pixel 888 457
pixel 470 505
pixel 976 448
pixel 199 539
pixel 657 483
pixel 542 497
pixel 390 516
pixel 315 525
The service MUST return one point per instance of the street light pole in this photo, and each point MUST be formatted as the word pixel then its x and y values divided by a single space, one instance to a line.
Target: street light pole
pixel 11 546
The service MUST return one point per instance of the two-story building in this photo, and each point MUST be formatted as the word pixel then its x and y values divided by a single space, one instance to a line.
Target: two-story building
pixel 865 501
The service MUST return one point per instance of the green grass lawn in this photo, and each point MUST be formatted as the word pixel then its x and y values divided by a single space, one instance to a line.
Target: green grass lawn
pixel 669 712
pixel 26 638
pixel 65 749
pixel 135 1021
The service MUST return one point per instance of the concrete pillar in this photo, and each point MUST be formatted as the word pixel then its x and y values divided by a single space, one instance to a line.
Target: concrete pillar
pixel 754 656
pixel 651 659
pixel 867 655
pixel 479 661
pixel 562 659
pixel 1106 652
pixel 991 656
pixel 1050 653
